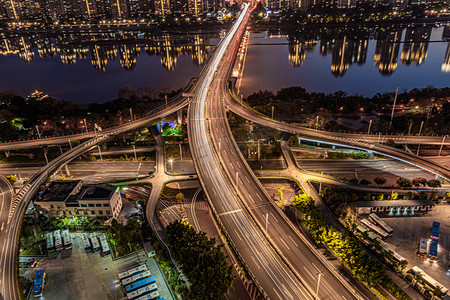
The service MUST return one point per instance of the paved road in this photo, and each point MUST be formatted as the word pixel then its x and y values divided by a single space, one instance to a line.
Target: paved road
pixel 8 242
pixel 337 139
pixel 87 171
pixel 285 267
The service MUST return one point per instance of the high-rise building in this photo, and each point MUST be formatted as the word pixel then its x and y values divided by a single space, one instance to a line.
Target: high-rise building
pixel 386 52
pixel 195 7
pixel 103 9
pixel 56 9
pixel 13 9
pixel 119 9
pixel 88 9
pixel 277 5
pixel 415 46
pixel 346 3
pixel 162 7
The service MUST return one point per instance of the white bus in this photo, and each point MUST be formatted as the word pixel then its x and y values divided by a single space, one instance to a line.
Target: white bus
pixel 50 243
pixel 135 277
pixel 94 241
pixel 428 280
pixel 105 246
pixel 66 238
pixel 423 247
pixel 142 291
pixel 58 240
pixel 131 272
pixel 375 219
pixel 369 225
pixel 86 243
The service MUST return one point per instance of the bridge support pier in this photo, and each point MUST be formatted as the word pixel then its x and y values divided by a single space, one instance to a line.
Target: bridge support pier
pixel 370 155
pixel 7 153
pixel 179 117
pixel 67 170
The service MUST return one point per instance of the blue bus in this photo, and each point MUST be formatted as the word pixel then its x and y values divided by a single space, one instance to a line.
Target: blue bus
pixel 435 230
pixel 433 256
pixel 39 281
pixel 142 293
pixel 140 283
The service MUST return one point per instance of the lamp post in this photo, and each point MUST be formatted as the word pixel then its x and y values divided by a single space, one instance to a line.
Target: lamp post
pixel 85 125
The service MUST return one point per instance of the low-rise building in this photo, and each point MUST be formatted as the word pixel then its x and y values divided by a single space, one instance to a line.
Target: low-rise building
pixel 72 198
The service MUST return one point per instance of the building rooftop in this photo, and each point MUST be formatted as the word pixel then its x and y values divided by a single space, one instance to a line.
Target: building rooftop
pixel 393 203
pixel 58 190
pixel 96 192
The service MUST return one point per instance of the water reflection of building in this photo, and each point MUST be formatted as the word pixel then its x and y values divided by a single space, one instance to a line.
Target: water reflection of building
pixel 386 52
pixel 446 37
pixel 298 49
pixel 128 54
pixel 102 54
pixel 415 46
pixel 101 48
pixel 45 46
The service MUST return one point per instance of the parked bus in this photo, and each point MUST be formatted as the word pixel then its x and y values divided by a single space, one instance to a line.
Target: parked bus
pixel 142 292
pixel 136 277
pixel 140 283
pixel 66 239
pixel 58 240
pixel 429 281
pixel 50 243
pixel 433 256
pixel 94 241
pixel 131 272
pixel 434 235
pixel 380 232
pixel 377 221
pixel 423 247
pixel 39 281
pixel 105 246
pixel 27 262
pixel 86 243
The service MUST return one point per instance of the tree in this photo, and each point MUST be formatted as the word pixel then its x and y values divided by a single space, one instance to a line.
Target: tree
pixel 394 196
pixel 12 178
pixel 390 143
pixel 204 264
pixel 404 182
pixel 353 180
pixel 280 191
pixel 364 182
pixel 180 197
pixel 403 264
pixel 434 183
pixel 417 181
pixel 379 180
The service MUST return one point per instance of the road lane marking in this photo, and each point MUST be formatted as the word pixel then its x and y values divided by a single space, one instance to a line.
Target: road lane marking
pixel 293 241
pixel 255 262
pixel 230 212
pixel 285 244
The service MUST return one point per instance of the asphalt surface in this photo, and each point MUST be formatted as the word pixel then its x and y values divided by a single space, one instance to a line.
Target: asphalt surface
pixel 8 255
pixel 286 267
pixel 335 138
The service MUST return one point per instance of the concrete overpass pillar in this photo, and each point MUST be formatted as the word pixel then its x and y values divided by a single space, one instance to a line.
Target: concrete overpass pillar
pixel 179 117
pixel 370 154
pixel 67 170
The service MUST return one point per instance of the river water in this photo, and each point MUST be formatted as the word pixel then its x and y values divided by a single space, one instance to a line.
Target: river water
pixel 356 62
pixel 91 66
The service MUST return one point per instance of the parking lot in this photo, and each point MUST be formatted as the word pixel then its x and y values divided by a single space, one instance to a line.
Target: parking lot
pixel 74 274
pixel 407 234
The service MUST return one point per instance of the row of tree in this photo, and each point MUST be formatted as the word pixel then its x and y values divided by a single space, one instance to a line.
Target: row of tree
pixel 204 263
pixel 346 247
